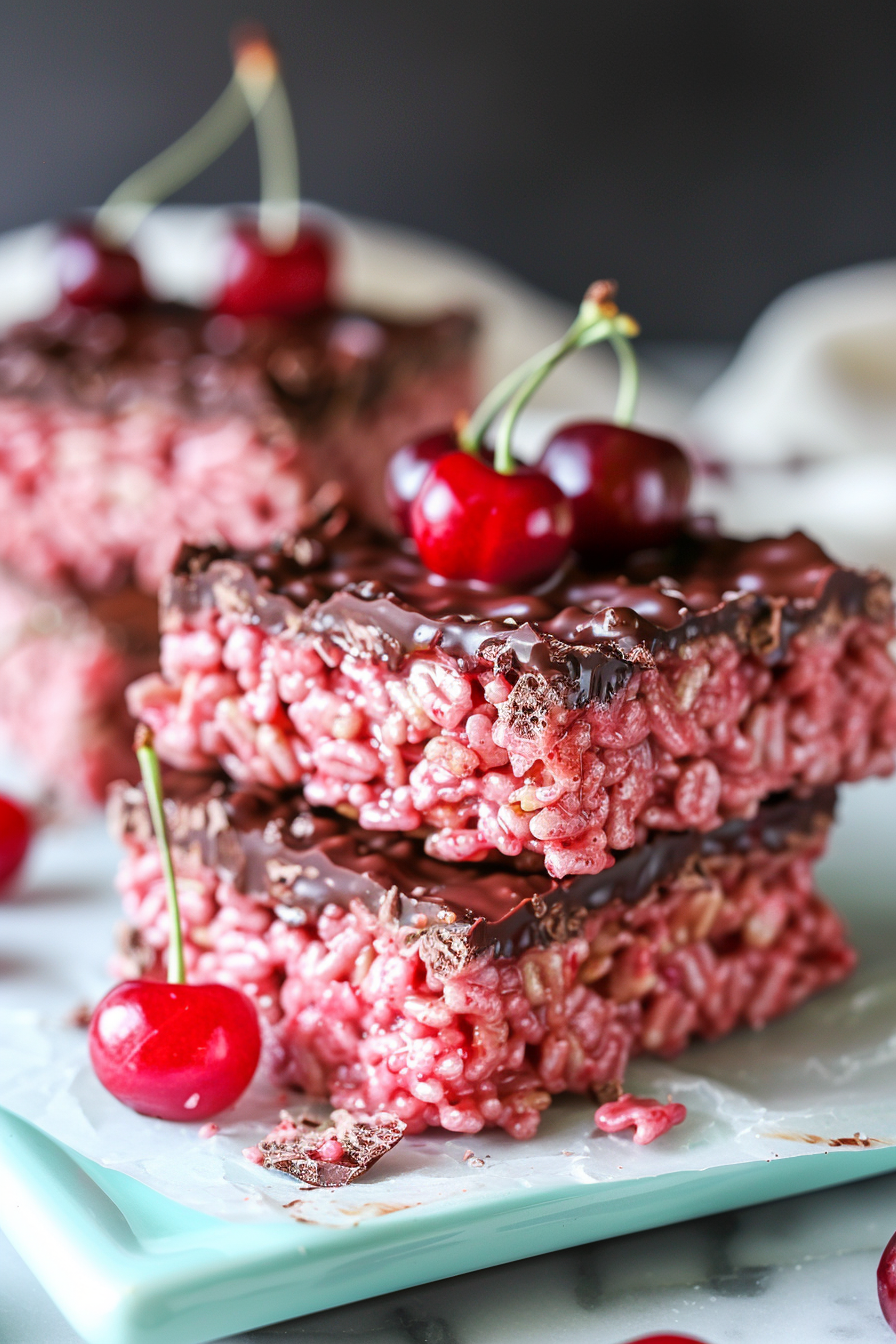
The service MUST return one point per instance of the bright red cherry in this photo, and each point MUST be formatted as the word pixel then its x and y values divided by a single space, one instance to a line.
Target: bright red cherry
pixel 178 1052
pixel 15 836
pixel 408 468
pixel 93 274
pixel 886 1283
pixel 628 490
pixel 666 1339
pixel 472 522
pixel 285 284
pixel 172 1050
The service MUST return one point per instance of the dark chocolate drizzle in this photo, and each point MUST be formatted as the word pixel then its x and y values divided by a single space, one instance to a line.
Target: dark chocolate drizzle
pixel 277 849
pixel 373 597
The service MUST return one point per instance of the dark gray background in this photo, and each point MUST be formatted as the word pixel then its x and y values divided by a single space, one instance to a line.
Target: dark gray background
pixel 705 152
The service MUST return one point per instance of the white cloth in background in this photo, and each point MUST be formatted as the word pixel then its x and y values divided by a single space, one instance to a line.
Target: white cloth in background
pixel 805 418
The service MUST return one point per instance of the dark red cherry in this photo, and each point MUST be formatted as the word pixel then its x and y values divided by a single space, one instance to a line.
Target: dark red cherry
pixel 472 522
pixel 15 837
pixel 886 1283
pixel 285 284
pixel 178 1052
pixel 628 490
pixel 93 274
pixel 408 468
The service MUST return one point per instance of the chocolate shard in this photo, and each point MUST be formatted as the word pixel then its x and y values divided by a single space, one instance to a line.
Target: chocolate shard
pixel 329 1154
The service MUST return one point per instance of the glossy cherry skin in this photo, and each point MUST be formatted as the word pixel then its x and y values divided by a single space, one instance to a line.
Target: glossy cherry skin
pixel 279 284
pixel 628 490
pixel 15 837
pixel 886 1283
pixel 178 1052
pixel 665 1339
pixel 471 522
pixel 408 468
pixel 93 274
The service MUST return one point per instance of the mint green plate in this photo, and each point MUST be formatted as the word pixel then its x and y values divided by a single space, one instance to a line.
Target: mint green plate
pixel 126 1265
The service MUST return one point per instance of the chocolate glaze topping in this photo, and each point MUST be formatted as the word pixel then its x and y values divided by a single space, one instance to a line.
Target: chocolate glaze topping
pixel 302 370
pixel 276 848
pixel 372 596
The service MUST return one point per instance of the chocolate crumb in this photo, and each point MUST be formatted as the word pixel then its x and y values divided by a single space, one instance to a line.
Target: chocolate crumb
pixel 80 1016
pixel 329 1154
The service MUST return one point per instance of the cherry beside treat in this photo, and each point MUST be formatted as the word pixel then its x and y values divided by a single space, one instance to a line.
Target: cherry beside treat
pixel 261 281
pixel 666 1339
pixel 886 1283
pixel 96 274
pixel 174 1051
pixel 177 1052
pixel 471 521
pixel 628 490
pixel 15 837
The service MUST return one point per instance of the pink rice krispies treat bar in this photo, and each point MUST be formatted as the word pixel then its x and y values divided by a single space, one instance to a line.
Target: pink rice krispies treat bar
pixel 122 433
pixel 64 666
pixel 466 996
pixel 566 723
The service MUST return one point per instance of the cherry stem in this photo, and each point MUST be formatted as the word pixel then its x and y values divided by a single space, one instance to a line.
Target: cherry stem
pixel 255 93
pixel 257 70
pixel 151 775
pixel 471 436
pixel 598 319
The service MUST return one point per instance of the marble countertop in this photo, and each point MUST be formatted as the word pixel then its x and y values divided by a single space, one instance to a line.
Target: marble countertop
pixel 800 1270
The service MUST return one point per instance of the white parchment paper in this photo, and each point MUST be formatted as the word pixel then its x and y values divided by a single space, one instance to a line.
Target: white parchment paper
pixel 826 1073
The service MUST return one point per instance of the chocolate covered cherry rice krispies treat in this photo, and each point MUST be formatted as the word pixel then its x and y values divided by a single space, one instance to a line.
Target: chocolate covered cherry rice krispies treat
pixel 465 995
pixel 566 721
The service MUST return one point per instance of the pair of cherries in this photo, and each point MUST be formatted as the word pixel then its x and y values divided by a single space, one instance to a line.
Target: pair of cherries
pixel 600 489
pixel 603 490
pixel 257 281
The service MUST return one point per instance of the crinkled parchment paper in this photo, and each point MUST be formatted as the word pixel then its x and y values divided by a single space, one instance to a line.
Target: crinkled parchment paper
pixel 821 1076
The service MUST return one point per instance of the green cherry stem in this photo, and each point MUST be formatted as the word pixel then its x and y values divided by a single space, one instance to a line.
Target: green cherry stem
pixel 256 93
pixel 257 70
pixel 152 784
pixel 471 436
pixel 597 320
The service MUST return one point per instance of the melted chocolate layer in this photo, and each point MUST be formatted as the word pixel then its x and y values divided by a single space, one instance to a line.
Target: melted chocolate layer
pixel 205 364
pixel 274 847
pixel 373 597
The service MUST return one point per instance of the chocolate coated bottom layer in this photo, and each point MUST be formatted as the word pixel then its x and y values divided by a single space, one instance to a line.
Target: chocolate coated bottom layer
pixel 274 847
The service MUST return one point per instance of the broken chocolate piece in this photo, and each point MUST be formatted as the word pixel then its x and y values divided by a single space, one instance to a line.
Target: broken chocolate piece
pixel 331 1154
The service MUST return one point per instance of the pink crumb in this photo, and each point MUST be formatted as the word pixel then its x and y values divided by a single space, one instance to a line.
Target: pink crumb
pixel 254 1154
pixel 330 1151
pixel 209 1131
pixel 648 1118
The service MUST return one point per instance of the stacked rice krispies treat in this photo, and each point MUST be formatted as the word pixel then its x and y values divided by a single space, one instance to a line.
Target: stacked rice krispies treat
pixel 470 848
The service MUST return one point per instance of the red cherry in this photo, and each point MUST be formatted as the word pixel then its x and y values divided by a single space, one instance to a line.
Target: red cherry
pixel 408 468
pixel 886 1283
pixel 284 284
pixel 93 274
pixel 628 489
pixel 666 1339
pixel 178 1052
pixel 471 522
pixel 15 836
